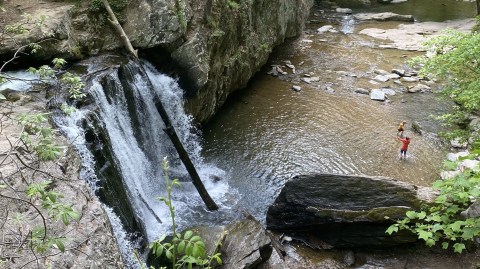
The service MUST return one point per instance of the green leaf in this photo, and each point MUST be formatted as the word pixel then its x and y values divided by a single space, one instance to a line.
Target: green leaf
pixel 188 234
pixel 161 238
pixel 445 245
pixel 424 235
pixel 59 244
pixel 411 214
pixel 469 233
pixel 175 182
pixel 430 242
pixel 181 247
pixel 421 215
pixel 196 238
pixel 458 247
pixel 195 251
pixel 169 254
pixel 456 226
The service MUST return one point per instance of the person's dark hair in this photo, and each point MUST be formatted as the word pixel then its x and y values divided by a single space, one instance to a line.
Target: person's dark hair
pixel 408 138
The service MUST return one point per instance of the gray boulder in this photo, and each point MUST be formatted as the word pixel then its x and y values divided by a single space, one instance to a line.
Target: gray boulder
pixel 244 244
pixel 345 210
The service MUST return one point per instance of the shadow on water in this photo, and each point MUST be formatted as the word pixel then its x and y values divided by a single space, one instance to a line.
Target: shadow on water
pixel 269 133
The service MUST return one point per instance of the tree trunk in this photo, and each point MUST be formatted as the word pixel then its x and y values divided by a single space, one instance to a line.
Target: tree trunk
pixel 118 28
pixel 478 7
pixel 197 182
pixel 170 131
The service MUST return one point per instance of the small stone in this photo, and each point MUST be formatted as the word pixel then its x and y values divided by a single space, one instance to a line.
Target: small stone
pixel 380 72
pixel 381 78
pixel 324 29
pixel 455 143
pixel 392 76
pixel 399 72
pixel 419 88
pixel 343 10
pixel 410 79
pixel 296 88
pixel 329 89
pixel 377 95
pixel 361 91
pixel 388 91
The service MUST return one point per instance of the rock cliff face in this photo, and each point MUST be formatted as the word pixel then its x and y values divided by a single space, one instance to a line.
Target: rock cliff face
pixel 218 45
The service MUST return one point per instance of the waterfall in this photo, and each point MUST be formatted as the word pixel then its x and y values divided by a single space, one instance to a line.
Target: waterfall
pixel 122 120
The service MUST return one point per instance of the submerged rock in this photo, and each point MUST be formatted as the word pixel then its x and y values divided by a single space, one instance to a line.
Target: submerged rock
pixel 345 210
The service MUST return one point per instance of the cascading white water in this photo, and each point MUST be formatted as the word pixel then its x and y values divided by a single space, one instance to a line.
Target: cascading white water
pixel 139 150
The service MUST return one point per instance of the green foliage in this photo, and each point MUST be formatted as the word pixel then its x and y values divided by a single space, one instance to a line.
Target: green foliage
pixel 455 62
pixel 442 221
pixel 56 210
pixel 449 165
pixel 72 83
pixel 67 109
pixel 232 4
pixel 185 249
pixel 38 136
pixel 50 201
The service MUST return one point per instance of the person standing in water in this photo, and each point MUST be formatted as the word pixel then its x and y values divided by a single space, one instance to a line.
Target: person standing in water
pixel 403 150
pixel 401 128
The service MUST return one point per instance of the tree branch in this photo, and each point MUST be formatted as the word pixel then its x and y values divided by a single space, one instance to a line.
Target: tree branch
pixel 118 28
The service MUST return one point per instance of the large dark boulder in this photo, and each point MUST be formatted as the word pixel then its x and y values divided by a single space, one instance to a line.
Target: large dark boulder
pixel 345 210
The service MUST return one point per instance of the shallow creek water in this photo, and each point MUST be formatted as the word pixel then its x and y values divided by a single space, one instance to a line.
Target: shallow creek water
pixel 269 133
